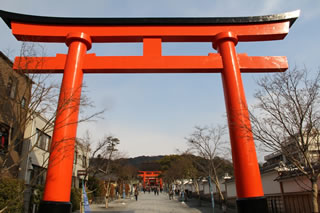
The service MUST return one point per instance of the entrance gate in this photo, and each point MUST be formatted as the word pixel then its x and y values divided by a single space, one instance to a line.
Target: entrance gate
pixel 80 33
pixel 150 178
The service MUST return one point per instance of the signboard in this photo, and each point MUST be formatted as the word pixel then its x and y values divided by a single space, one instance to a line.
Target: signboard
pixel 81 173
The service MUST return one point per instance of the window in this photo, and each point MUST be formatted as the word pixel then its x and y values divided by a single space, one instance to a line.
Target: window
pixel 43 140
pixel 75 157
pixel 9 86
pixel 37 176
pixel 84 161
pixel 23 102
pixel 74 179
pixel 12 87
pixel 4 139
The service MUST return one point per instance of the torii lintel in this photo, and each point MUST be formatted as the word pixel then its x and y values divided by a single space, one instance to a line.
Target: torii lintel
pixel 195 29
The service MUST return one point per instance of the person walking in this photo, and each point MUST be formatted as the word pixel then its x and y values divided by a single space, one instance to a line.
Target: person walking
pixel 136 193
pixel 170 194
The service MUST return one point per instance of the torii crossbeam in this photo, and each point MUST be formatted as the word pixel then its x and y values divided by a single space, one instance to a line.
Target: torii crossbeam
pixel 80 33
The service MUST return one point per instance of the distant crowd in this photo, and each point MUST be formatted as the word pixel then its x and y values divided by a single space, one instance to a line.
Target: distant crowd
pixel 154 189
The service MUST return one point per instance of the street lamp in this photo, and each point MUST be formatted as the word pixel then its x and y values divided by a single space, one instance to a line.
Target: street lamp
pixel 224 204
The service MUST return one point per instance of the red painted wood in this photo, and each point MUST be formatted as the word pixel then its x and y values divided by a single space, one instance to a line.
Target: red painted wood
pixel 57 33
pixel 59 173
pixel 152 64
pixel 245 163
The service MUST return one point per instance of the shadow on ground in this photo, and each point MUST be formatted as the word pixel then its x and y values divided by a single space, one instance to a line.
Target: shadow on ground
pixel 205 206
pixel 114 211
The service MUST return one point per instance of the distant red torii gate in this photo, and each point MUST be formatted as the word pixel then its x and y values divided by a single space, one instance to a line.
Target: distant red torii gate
pixel 147 175
pixel 80 33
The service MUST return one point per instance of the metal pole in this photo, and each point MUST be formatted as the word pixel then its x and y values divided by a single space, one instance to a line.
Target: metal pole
pixel 182 192
pixel 211 192
pixel 124 191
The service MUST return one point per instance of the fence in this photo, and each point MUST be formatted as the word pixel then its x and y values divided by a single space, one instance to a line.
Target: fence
pixel 300 202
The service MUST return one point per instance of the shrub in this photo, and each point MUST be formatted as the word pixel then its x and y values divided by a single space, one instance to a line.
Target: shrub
pixel 36 196
pixel 11 195
pixel 96 186
pixel 75 198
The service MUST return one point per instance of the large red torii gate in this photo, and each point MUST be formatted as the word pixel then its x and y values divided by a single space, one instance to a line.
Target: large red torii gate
pixel 80 33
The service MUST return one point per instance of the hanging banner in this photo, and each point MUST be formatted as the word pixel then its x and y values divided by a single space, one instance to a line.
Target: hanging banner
pixel 85 202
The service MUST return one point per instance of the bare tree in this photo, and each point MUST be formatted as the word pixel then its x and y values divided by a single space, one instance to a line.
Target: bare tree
pixel 101 158
pixel 111 149
pixel 208 143
pixel 35 95
pixel 26 96
pixel 167 173
pixel 286 120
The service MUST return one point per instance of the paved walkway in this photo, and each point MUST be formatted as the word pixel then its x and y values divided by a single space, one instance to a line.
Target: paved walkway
pixel 155 203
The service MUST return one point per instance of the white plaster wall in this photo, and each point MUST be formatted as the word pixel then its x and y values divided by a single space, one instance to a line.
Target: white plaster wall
pixel 297 184
pixel 28 129
pixel 273 187
pixel 31 154
pixel 38 156
pixel 81 151
pixel 231 189
pixel 222 186
pixel 269 185
pixel 189 187
pixel 205 188
pixel 193 187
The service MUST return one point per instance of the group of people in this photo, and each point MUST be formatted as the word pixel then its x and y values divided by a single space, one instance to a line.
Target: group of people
pixel 185 194
pixel 154 189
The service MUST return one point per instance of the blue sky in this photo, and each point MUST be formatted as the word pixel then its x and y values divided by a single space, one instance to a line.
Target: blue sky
pixel 152 114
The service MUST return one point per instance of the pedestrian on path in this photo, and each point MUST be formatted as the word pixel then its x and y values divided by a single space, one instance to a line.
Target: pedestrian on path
pixel 136 193
pixel 155 190
pixel 170 194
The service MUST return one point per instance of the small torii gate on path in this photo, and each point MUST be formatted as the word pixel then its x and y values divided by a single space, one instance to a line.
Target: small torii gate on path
pixel 80 33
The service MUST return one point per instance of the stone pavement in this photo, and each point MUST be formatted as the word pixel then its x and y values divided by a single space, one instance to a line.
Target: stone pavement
pixel 155 203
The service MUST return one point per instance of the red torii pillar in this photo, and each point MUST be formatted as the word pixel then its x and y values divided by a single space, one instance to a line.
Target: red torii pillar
pixel 143 175
pixel 79 33
pixel 144 181
pixel 161 183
